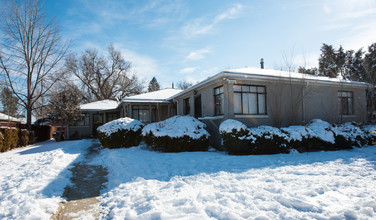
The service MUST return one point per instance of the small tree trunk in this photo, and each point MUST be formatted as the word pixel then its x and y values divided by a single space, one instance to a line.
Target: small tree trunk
pixel 28 115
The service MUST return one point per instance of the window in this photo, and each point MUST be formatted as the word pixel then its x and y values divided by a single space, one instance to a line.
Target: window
pixel 83 121
pixel 249 100
pixel 218 101
pixel 142 112
pixel 186 107
pixel 345 100
pixel 110 116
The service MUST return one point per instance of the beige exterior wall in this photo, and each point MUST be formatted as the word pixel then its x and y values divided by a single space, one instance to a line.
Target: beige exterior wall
pixel 288 102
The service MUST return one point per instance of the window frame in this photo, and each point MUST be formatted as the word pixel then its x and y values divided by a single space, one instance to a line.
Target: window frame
pixel 220 105
pixel 349 97
pixel 257 98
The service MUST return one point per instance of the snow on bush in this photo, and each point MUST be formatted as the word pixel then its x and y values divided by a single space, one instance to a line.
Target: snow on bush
pixel 177 134
pixel 315 136
pixel 123 132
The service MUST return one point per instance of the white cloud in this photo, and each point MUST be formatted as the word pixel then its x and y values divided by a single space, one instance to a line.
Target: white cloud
pixel 326 9
pixel 188 70
pixel 198 54
pixel 201 26
pixel 143 66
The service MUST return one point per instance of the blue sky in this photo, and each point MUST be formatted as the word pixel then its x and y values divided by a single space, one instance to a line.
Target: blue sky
pixel 192 40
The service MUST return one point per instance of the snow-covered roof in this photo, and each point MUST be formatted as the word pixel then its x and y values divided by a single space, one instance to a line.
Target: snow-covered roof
pixel 267 74
pixel 285 74
pixel 4 117
pixel 160 96
pixel 100 105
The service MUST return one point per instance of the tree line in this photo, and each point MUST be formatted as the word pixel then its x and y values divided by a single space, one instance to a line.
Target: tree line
pixel 349 65
pixel 40 75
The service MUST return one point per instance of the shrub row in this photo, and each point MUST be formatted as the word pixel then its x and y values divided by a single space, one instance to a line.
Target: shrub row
pixel 316 136
pixel 11 138
pixel 176 134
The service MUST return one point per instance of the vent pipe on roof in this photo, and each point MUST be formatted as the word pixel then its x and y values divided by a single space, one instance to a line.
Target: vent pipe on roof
pixel 172 85
pixel 262 63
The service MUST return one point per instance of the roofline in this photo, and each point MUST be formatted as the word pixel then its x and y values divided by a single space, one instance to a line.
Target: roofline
pixel 260 76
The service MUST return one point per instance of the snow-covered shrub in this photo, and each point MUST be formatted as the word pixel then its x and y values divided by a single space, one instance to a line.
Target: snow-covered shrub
pixel 235 137
pixel 239 140
pixel 177 134
pixel 23 137
pixel 268 140
pixel 123 132
pixel 350 134
pixel 10 138
pixel 317 135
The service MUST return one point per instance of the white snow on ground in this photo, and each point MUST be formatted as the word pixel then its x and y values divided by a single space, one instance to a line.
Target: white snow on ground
pixel 33 178
pixel 213 185
pixel 120 124
pixel 177 126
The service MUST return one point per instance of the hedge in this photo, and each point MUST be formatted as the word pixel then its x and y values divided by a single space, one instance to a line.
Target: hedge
pixel 123 132
pixel 23 139
pixel 316 136
pixel 10 140
pixel 177 134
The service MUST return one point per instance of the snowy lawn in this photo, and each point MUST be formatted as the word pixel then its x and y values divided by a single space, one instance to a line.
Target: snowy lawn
pixel 33 178
pixel 213 185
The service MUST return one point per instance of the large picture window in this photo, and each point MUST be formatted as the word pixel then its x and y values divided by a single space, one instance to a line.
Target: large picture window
pixel 345 100
pixel 142 112
pixel 249 100
pixel 218 100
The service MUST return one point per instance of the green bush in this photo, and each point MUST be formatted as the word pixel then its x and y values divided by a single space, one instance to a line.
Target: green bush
pixel 177 134
pixel 10 138
pixel 176 144
pixel 122 138
pixel 236 142
pixel 1 142
pixel 123 132
pixel 315 136
pixel 23 137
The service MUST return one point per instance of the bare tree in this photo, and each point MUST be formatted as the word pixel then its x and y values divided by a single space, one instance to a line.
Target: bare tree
pixel 104 77
pixel 30 53
pixel 184 85
pixel 64 103
pixel 9 101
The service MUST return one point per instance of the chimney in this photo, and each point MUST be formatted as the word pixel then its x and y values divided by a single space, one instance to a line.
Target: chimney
pixel 173 85
pixel 262 63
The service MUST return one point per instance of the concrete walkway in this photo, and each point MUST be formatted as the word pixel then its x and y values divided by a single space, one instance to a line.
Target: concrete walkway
pixel 87 181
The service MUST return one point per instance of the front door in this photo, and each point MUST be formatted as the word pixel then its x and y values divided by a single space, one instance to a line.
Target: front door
pixel 198 106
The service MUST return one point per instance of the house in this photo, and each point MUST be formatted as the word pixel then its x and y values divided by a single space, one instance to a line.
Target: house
pixel 94 114
pixel 9 121
pixel 251 95
pixel 150 107
pixel 269 97
pixel 147 108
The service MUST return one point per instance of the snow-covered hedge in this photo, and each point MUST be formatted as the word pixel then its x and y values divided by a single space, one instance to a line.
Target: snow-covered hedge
pixel 177 134
pixel 123 132
pixel 315 136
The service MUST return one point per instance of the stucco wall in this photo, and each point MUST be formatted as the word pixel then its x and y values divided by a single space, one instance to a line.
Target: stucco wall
pixel 288 102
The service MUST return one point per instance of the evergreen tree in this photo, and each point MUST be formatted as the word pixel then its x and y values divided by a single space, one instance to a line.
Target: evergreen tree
pixel 9 101
pixel 328 61
pixel 354 69
pixel 153 85
pixel 341 61
pixel 370 64
pixel 310 71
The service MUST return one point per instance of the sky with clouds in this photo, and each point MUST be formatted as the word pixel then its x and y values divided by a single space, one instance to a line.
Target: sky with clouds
pixel 177 40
